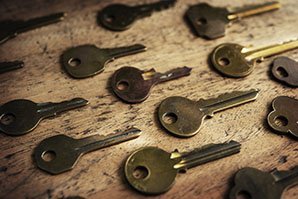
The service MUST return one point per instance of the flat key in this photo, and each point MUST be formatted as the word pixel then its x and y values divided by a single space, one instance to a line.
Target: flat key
pixel 60 153
pixel 284 117
pixel 183 117
pixel 9 66
pixel 286 70
pixel 10 29
pixel 234 60
pixel 120 17
pixel 21 116
pixel 88 60
pixel 210 22
pixel 257 184
pixel 133 85
pixel 151 170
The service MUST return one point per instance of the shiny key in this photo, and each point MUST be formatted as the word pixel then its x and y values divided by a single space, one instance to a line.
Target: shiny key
pixel 88 60
pixel 22 116
pixel 120 17
pixel 133 85
pixel 60 153
pixel 234 60
pixel 184 117
pixel 9 66
pixel 255 184
pixel 210 22
pixel 286 70
pixel 152 170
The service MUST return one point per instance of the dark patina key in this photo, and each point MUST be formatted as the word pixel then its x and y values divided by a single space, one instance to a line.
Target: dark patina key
pixel 9 66
pixel 286 70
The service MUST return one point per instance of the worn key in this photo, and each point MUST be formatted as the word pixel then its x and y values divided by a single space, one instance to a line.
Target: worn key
pixel 183 117
pixel 210 22
pixel 21 116
pixel 120 17
pixel 286 70
pixel 9 66
pixel 255 184
pixel 88 60
pixel 133 85
pixel 284 117
pixel 10 29
pixel 234 60
pixel 152 170
pixel 60 153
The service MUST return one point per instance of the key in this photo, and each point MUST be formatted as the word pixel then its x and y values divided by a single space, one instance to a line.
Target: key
pixel 254 183
pixel 284 118
pixel 88 60
pixel 133 85
pixel 119 17
pixel 183 117
pixel 22 116
pixel 234 60
pixel 286 70
pixel 210 22
pixel 152 170
pixel 10 29
pixel 60 153
pixel 9 66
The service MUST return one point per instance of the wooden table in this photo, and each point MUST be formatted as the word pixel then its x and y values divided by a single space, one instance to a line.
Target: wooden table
pixel 170 44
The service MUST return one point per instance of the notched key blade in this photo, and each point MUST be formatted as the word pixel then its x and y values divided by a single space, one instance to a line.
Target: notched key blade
pixel 286 70
pixel 9 66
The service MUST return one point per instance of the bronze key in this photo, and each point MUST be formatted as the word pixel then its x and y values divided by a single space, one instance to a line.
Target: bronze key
pixel 286 70
pixel 133 85
pixel 152 170
pixel 9 66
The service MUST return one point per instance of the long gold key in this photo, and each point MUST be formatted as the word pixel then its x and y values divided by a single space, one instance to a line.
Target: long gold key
pixel 234 60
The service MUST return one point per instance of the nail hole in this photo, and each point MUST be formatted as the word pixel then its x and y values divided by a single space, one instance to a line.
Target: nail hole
pixel 122 85
pixel 140 172
pixel 224 61
pixel 170 118
pixel 202 21
pixel 282 72
pixel 48 156
pixel 243 195
pixel 74 62
pixel 7 119
pixel 109 18
pixel 281 121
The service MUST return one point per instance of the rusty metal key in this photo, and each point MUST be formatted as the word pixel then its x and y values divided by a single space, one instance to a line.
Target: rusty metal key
pixel 60 153
pixel 21 116
pixel 286 70
pixel 133 85
pixel 9 66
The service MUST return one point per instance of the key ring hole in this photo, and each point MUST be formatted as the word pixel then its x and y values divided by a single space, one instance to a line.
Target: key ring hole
pixel 109 18
pixel 7 119
pixel 282 72
pixel 223 61
pixel 281 121
pixel 170 118
pixel 202 21
pixel 243 195
pixel 140 172
pixel 48 156
pixel 74 62
pixel 122 85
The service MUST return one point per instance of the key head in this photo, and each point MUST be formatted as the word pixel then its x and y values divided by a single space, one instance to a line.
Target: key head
pixel 229 60
pixel 284 118
pixel 150 170
pixel 286 70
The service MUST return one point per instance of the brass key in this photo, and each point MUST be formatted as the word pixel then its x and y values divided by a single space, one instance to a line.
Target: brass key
pixel 234 60
pixel 152 170
pixel 184 117
pixel 286 70
pixel 21 116
pixel 210 22
pixel 88 60
pixel 60 153
pixel 133 85
pixel 9 66
pixel 256 184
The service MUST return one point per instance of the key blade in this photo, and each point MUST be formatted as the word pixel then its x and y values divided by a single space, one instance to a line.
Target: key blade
pixel 114 53
pixel 286 179
pixel 148 9
pixel 9 66
pixel 171 75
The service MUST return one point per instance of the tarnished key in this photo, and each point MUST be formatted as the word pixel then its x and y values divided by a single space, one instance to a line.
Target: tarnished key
pixel 183 117
pixel 9 66
pixel 210 22
pixel 234 60
pixel 284 117
pixel 10 29
pixel 286 70
pixel 255 184
pixel 133 85
pixel 21 116
pixel 88 60
pixel 152 170
pixel 119 17
pixel 60 153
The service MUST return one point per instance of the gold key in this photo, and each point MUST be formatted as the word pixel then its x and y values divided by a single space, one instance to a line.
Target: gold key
pixel 234 60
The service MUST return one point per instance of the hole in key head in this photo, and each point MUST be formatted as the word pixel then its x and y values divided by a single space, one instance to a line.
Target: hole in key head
pixel 202 21
pixel 74 62
pixel 140 172
pixel 281 121
pixel 7 119
pixel 122 85
pixel 48 156
pixel 223 61
pixel 170 118
pixel 282 72
pixel 243 195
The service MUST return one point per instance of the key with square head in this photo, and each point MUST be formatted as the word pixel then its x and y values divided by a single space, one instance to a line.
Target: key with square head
pixel 9 66
pixel 256 184
pixel 88 60
pixel 21 116
pixel 10 29
pixel 284 117
pixel 120 17
pixel 133 85
pixel 234 60
pixel 60 153
pixel 286 70
pixel 210 22
pixel 152 170
pixel 184 117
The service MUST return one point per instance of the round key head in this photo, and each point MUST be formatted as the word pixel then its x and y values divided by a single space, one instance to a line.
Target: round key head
pixel 229 60
pixel 286 70
pixel 150 170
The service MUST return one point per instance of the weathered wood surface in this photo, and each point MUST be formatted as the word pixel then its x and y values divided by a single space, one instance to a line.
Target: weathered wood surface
pixel 170 44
